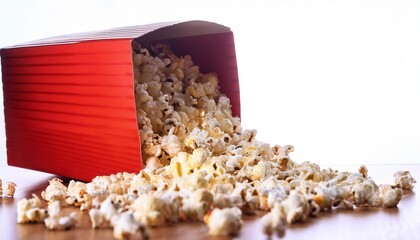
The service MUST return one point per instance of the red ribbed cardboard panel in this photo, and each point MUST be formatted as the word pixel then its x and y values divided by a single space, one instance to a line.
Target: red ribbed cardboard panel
pixel 69 100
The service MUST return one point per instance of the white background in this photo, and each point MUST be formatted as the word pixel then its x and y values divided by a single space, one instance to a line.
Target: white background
pixel 339 80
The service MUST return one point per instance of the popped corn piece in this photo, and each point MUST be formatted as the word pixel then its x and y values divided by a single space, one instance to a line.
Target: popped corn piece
pixel 68 222
pixel 272 190
pixel 95 217
pixel 390 196
pixel 34 202
pixel 251 203
pixel 195 90
pixel 274 222
pixel 22 207
pixel 153 162
pixel 282 155
pixel 78 196
pixel 54 208
pixel 1 188
pixel 198 179
pixel 96 193
pixel 150 210
pixel 52 223
pixel 233 164
pixel 174 201
pixel 116 188
pixel 122 202
pixel 62 223
pixel 76 188
pixel 326 196
pixel 102 181
pixel 404 180
pixel 125 226
pixel 227 126
pixel 55 191
pixel 366 193
pixel 330 195
pixel 261 171
pixel 195 207
pixel 108 209
pixel 11 188
pixel 224 200
pixel 29 210
pixel 347 179
pixel 346 204
pixel 36 215
pixel 171 144
pixel 224 222
pixel 225 188
pixel 247 135
pixel 138 59
pixel 55 220
pixel 363 170
pixel 296 207
pixel 196 139
pixel 199 156
pixel 245 197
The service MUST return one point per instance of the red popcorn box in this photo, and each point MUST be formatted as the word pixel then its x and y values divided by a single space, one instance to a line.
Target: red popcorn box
pixel 69 101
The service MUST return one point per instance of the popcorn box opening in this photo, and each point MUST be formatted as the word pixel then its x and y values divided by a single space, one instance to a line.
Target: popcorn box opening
pixel 69 101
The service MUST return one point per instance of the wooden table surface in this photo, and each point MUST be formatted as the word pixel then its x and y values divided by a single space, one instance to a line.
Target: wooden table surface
pixel 363 223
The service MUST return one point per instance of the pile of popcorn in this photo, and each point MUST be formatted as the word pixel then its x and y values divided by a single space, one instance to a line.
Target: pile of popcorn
pixel 200 165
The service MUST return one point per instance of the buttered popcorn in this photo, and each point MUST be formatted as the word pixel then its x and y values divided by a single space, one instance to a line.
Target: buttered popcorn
pixel 200 165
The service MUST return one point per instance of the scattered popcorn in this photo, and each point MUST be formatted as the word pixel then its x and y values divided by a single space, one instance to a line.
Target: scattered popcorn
pixel 363 170
pixel 390 196
pixel 56 220
pixel 125 226
pixel 68 222
pixel 30 211
pixel 54 208
pixel 11 188
pixel 1 188
pixel 150 210
pixel 95 217
pixel 296 207
pixel 36 215
pixel 404 180
pixel 200 165
pixel 366 193
pixel 224 222
pixel 108 209
pixel 274 222
pixel 55 191
pixel 62 223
